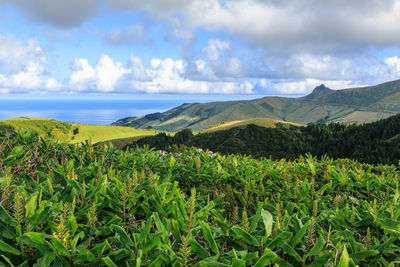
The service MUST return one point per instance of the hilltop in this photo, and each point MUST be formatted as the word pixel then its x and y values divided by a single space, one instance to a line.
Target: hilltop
pixel 72 132
pixel 356 105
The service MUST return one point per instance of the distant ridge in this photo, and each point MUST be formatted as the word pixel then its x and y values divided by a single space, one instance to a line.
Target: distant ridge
pixel 356 105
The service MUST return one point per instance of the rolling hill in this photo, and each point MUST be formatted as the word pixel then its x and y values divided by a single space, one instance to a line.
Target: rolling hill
pixel 262 122
pixel 376 142
pixel 356 105
pixel 72 132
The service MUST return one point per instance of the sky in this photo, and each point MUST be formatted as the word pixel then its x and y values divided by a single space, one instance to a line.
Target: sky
pixel 203 47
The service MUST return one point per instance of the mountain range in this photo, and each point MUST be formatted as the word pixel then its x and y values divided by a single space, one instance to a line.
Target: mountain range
pixel 355 105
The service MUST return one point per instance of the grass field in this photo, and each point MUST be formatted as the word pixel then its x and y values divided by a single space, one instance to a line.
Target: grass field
pixel 74 132
pixel 263 122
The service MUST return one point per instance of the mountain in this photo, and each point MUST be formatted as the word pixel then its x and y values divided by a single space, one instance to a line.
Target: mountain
pixel 356 105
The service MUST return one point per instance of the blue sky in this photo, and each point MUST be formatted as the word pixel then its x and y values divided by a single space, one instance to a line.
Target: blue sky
pixel 195 47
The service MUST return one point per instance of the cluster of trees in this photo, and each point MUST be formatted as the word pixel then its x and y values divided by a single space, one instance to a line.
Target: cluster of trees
pixel 376 142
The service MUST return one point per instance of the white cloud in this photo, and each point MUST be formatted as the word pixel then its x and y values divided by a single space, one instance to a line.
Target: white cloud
pixel 168 76
pixel 394 64
pixel 21 65
pixel 214 49
pixel 83 75
pixel 108 73
pixel 159 76
pixel 53 85
pixel 102 77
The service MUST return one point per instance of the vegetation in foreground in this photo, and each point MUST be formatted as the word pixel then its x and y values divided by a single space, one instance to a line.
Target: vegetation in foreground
pixel 84 205
pixel 72 132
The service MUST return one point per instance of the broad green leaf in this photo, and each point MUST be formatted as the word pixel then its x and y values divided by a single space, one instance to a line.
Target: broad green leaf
pixel 238 263
pixel 206 263
pixel 107 261
pixel 244 236
pixel 266 258
pixel 199 249
pixel 172 161
pixel 318 246
pixel 291 251
pixel 298 237
pixel 4 247
pixel 320 261
pixel 123 235
pixel 389 224
pixel 7 260
pixel 268 221
pixel 6 217
pixel 31 205
pixel 159 223
pixel 139 258
pixel 36 237
pixel 359 256
pixel 145 231
pixel 46 260
pixel 209 237
pixel 152 243
pixel 59 247
pixel 278 238
pixel 344 259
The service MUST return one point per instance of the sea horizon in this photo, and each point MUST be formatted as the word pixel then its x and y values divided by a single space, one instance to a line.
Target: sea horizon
pixel 99 110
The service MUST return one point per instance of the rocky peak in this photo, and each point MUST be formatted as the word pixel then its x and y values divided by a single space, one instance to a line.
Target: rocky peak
pixel 320 90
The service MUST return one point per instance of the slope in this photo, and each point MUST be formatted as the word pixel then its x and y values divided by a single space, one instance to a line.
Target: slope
pixel 72 132
pixel 322 105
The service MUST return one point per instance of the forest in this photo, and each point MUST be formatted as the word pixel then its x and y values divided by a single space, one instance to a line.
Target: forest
pixel 376 143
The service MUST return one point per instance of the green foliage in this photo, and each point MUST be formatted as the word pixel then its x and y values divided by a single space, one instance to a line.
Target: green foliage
pixel 376 143
pixel 91 205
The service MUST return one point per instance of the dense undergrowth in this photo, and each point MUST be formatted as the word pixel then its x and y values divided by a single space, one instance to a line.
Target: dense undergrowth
pixel 85 205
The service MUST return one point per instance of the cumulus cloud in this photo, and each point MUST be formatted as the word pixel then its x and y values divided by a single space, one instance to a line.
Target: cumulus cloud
pixel 21 65
pixel 53 85
pixel 394 64
pixel 102 77
pixel 158 76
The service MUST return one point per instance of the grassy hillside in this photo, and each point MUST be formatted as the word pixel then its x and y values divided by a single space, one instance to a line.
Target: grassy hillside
pixel 65 205
pixel 322 105
pixel 73 132
pixel 262 122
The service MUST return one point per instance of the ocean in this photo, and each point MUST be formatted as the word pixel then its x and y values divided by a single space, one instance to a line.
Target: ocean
pixel 83 111
pixel 97 111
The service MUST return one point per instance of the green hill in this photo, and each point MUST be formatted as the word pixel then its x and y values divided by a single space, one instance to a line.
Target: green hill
pixel 357 105
pixel 262 122
pixel 72 132
pixel 377 142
